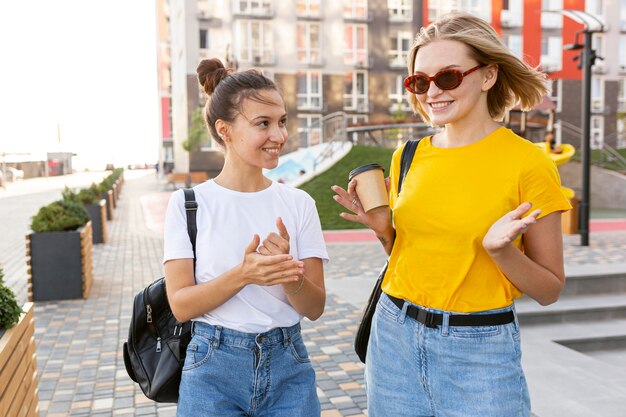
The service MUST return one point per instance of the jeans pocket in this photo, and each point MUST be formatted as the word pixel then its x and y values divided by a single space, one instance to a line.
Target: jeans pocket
pixel 387 309
pixel 475 331
pixel 199 352
pixel 298 350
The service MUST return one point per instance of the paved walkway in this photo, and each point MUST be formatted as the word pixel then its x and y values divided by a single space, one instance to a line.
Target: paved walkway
pixel 80 363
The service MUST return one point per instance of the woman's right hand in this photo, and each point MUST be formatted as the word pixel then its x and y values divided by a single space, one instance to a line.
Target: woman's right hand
pixel 268 270
pixel 377 220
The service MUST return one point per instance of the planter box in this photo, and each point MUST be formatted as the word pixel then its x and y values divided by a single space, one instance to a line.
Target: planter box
pixel 60 264
pixel 18 368
pixel 108 197
pixel 114 192
pixel 98 216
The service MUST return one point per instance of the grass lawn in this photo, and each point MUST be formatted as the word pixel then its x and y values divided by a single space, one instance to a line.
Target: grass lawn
pixel 319 187
pixel 599 159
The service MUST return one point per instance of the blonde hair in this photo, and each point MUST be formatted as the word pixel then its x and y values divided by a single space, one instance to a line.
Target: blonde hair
pixel 517 82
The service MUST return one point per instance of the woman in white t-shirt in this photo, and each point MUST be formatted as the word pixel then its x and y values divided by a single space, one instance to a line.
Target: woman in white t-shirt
pixel 248 295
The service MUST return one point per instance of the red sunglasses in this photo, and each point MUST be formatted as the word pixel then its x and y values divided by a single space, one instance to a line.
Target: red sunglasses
pixel 447 79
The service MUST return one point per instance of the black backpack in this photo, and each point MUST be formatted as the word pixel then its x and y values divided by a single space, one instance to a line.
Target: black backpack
pixel 155 351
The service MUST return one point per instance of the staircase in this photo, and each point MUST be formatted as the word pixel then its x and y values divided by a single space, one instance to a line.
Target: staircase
pixel 575 353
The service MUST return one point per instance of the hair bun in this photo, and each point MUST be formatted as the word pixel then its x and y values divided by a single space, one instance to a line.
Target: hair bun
pixel 210 73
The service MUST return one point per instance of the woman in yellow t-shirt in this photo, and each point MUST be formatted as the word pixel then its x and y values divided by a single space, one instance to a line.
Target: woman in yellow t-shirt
pixel 477 224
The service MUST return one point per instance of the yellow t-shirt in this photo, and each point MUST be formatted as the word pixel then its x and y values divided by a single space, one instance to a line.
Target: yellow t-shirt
pixel 450 198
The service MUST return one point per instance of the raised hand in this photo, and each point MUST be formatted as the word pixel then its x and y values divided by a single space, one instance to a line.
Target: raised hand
pixel 268 269
pixel 378 219
pixel 276 243
pixel 509 227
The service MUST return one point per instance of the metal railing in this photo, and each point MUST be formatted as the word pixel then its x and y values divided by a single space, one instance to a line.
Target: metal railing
pixel 608 154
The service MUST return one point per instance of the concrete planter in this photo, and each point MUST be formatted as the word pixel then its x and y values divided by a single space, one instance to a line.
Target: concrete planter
pixel 60 264
pixel 18 368
pixel 98 216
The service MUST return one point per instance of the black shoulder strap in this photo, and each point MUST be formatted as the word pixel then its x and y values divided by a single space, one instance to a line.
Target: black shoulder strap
pixel 405 160
pixel 191 208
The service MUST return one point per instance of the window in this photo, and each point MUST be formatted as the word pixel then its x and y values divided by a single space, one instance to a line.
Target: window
pixel 399 50
pixel 355 9
pixel 597 44
pixel 397 96
pixel 597 132
pixel 512 13
pixel 309 90
pixel 400 10
pixel 514 43
pixel 309 129
pixel 255 44
pixel 308 38
pixel 355 92
pixel 621 114
pixel 204 39
pixel 355 44
pixel 480 8
pixel 253 7
pixel 551 20
pixel 308 8
pixel 597 95
pixel 556 94
pixel 551 53
pixel 594 7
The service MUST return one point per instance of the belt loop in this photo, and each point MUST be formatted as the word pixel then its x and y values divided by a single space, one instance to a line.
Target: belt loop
pixel 402 316
pixel 193 328
pixel 445 321
pixel 218 336
pixel 285 336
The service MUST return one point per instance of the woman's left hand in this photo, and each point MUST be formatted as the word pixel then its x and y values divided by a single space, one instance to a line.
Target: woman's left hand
pixel 276 243
pixel 508 228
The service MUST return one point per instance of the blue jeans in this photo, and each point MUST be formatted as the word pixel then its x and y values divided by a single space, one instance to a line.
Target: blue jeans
pixel 230 373
pixel 416 371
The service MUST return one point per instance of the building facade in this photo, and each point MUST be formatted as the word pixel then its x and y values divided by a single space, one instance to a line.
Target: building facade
pixel 350 56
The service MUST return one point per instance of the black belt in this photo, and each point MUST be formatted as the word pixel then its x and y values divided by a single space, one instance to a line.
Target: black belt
pixel 433 320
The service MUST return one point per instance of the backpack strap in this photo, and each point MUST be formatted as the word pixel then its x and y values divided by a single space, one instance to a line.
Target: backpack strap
pixel 405 160
pixel 191 208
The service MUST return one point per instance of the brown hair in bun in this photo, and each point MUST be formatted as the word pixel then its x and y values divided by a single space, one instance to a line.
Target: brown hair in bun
pixel 227 90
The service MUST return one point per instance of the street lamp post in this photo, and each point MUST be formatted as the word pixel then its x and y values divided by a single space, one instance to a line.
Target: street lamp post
pixel 592 25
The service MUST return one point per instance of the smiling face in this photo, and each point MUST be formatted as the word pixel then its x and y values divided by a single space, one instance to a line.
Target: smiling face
pixel 259 133
pixel 465 103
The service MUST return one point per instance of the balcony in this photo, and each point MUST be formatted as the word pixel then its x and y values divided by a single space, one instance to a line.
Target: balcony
pixel 509 20
pixel 365 63
pixel 354 17
pixel 622 69
pixel 264 12
pixel 599 68
pixel 549 67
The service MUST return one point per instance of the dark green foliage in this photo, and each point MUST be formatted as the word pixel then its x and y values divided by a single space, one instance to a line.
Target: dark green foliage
pixel 10 310
pixel 86 196
pixel 319 187
pixel 60 216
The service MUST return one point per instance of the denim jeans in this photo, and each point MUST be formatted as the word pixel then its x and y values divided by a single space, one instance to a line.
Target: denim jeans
pixel 413 370
pixel 230 373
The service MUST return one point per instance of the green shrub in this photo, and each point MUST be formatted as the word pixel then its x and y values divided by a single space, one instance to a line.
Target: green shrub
pixel 10 310
pixel 60 216
pixel 85 196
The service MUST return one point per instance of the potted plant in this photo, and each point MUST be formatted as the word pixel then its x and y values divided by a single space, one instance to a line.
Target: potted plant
pixel 18 364
pixel 59 251
pixel 96 208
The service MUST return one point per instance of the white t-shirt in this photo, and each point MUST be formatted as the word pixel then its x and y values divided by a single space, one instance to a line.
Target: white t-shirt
pixel 227 220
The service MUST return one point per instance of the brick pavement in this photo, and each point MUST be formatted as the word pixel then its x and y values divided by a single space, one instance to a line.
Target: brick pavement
pixel 80 363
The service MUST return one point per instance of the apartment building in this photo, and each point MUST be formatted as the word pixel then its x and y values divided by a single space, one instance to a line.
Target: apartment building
pixel 350 56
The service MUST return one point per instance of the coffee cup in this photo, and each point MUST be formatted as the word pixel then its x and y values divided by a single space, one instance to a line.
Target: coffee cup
pixel 370 186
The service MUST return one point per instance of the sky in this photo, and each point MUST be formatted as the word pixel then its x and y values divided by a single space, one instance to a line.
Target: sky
pixel 85 68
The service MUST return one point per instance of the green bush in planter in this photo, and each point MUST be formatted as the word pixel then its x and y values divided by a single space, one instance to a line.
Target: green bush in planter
pixel 85 196
pixel 60 216
pixel 10 310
